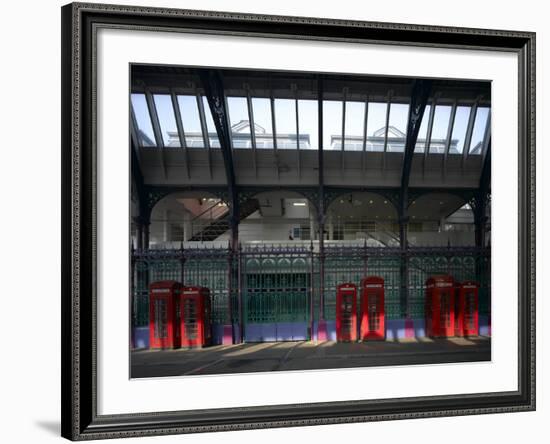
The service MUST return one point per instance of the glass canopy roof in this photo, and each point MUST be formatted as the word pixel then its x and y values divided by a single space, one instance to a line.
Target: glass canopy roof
pixel 184 121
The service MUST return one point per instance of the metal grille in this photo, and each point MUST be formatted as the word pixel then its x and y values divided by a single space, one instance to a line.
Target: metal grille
pixel 276 283
pixel 276 288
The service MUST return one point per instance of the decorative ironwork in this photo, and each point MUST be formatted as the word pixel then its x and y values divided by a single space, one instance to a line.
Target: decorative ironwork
pixel 283 283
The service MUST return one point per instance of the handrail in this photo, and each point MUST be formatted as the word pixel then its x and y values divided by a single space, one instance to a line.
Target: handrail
pixel 223 208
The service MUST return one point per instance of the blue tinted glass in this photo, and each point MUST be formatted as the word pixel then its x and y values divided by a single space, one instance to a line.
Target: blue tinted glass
pixel 167 120
pixel 144 130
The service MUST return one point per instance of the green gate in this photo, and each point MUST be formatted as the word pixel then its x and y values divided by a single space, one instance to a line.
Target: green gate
pixel 276 294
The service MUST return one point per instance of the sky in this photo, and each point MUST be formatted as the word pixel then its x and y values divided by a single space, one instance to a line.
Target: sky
pixel 285 118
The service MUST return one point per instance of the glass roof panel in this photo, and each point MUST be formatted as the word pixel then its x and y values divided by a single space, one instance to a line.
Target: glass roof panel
pixel 332 124
pixel 239 121
pixel 478 134
pixel 460 127
pixel 167 120
pixel 144 130
pixel 439 130
pixel 355 122
pixel 308 124
pixel 285 123
pixel 397 131
pixel 376 126
pixel 422 133
pixel 211 128
pixel 262 122
pixel 190 121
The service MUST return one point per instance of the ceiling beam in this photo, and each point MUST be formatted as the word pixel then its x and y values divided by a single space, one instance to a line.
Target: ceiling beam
pixel 156 128
pixel 419 98
pixel 204 129
pixel 212 82
pixel 181 132
pixel 448 140
pixel 274 131
pixel 429 131
pixel 252 128
pixel 365 121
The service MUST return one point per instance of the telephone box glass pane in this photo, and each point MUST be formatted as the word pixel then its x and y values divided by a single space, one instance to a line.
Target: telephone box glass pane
pixel 190 318
pixel 161 319
pixel 347 307
pixel 374 320
pixel 469 310
pixel 445 310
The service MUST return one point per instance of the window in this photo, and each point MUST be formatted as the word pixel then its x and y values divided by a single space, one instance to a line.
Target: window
pixel 239 121
pixel 167 120
pixel 285 123
pixel 191 121
pixel 308 124
pixel 145 134
pixel 355 124
pixel 376 126
pixel 262 122
pixel 397 131
pixel 332 124
pixel 439 130
pixel 460 127
pixel 423 132
pixel 478 134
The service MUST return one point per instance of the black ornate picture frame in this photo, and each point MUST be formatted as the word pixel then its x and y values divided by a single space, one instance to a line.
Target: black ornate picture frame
pixel 80 418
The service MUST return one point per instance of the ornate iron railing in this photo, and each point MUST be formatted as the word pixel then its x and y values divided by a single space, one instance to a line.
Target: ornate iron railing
pixel 283 283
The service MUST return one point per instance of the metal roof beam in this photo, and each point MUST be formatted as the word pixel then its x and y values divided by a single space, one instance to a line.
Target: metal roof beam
pixel 156 128
pixel 181 132
pixel 204 129
pixel 252 128
pixel 469 132
pixel 419 99
pixel 448 140
pixel 274 131
pixel 212 82
pixel 365 121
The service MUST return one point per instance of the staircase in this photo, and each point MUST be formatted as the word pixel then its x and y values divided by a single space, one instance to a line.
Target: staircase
pixel 211 228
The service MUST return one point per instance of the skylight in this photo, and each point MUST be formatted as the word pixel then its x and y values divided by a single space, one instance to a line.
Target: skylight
pixel 460 128
pixel 439 130
pixel 355 124
pixel 376 125
pixel 478 133
pixel 191 121
pixel 239 121
pixel 145 134
pixel 167 120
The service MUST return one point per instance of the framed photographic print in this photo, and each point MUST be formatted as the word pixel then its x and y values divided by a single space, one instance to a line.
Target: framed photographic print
pixel 278 221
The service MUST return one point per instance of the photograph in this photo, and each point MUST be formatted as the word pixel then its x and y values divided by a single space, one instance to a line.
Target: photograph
pixel 291 220
pixel 277 221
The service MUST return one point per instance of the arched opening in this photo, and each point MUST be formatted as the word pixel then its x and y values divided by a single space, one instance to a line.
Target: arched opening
pixel 363 217
pixel 441 220
pixel 190 216
pixel 281 217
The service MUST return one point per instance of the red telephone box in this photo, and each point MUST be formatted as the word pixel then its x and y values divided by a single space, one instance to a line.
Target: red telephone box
pixel 372 313
pixel 440 306
pixel 162 323
pixel 346 313
pixel 467 309
pixel 193 317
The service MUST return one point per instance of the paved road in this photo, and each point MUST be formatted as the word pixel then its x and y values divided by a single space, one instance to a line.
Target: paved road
pixel 280 356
